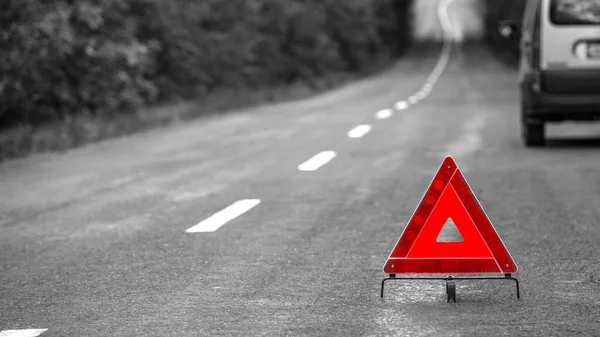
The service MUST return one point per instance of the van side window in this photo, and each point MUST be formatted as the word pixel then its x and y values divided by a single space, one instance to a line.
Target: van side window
pixel 575 12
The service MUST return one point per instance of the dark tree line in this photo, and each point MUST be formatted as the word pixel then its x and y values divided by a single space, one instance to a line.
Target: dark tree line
pixel 62 58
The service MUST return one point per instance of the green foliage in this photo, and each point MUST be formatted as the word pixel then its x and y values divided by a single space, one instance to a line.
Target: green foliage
pixel 60 59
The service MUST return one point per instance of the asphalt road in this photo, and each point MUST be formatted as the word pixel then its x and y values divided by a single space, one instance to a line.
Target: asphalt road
pixel 93 242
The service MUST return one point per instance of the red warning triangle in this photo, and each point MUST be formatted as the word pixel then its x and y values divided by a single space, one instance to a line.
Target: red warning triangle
pixel 418 250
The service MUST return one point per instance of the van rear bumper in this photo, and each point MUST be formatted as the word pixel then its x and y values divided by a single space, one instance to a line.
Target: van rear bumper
pixel 571 81
pixel 546 106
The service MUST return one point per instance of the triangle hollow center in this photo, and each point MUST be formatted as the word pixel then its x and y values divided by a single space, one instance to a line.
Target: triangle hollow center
pixel 450 233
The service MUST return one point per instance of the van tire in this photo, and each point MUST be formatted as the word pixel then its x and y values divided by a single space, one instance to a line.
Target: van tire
pixel 533 133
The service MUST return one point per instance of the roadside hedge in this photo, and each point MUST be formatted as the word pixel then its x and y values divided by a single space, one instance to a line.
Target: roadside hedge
pixel 65 58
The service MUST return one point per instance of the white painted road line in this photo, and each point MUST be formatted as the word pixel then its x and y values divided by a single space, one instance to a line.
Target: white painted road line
pixel 359 131
pixel 383 114
pixel 22 333
pixel 224 216
pixel 401 105
pixel 450 35
pixel 317 161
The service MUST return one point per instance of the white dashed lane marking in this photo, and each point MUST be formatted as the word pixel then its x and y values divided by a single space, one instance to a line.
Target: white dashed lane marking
pixel 22 333
pixel 401 105
pixel 359 131
pixel 442 63
pixel 317 161
pixel 224 216
pixel 383 114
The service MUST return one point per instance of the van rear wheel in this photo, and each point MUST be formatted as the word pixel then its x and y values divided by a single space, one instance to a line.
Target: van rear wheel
pixel 533 133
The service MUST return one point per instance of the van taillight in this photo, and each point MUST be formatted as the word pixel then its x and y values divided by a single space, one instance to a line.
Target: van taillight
pixel 580 50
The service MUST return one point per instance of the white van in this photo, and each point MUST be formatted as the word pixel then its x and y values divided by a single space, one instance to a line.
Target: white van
pixel 559 70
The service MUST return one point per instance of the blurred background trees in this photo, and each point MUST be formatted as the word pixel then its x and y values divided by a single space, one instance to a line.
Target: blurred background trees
pixel 97 58
pixel 496 11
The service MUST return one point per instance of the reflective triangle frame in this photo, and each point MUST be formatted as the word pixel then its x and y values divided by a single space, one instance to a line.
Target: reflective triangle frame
pixel 418 252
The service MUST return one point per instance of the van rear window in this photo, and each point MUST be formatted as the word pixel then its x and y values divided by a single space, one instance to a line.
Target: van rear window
pixel 575 12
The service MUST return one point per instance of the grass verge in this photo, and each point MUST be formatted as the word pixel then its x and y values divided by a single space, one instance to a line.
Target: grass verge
pixel 72 133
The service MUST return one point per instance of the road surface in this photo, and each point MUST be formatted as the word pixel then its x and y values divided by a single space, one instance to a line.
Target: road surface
pixel 98 241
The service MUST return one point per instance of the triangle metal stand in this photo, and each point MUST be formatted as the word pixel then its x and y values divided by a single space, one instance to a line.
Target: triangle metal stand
pixel 450 282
